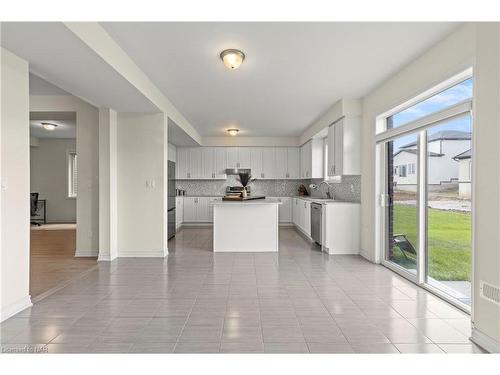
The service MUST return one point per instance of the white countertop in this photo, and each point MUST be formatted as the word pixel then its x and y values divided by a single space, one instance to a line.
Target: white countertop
pixel 323 201
pixel 247 202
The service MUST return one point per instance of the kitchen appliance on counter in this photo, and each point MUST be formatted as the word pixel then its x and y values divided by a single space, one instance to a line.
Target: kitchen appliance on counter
pixel 316 215
pixel 234 193
pixel 171 200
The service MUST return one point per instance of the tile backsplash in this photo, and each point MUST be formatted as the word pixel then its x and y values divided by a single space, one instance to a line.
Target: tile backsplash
pixel 347 190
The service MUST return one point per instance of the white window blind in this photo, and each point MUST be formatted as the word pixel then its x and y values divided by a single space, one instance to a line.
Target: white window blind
pixel 72 175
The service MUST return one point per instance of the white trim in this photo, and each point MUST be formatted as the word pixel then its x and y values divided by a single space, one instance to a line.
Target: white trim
pixel 484 341
pixel 448 113
pixel 87 253
pixel 434 90
pixel 143 254
pixel 105 258
pixel 16 307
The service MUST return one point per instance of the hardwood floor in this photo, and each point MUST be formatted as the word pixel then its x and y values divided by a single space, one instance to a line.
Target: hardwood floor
pixel 53 261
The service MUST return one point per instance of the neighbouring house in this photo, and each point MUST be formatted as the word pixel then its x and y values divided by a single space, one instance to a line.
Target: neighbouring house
pixel 464 173
pixel 443 170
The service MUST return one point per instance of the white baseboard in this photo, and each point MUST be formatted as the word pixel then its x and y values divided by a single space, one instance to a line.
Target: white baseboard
pixel 284 224
pixel 366 255
pixel 16 307
pixel 106 257
pixel 143 254
pixel 484 341
pixel 87 253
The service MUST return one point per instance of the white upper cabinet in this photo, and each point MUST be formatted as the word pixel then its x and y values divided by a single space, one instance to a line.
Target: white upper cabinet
pixel 182 164
pixel 211 162
pixel 344 150
pixel 281 165
pixel 207 163
pixel 268 163
pixel 220 163
pixel 256 162
pixel 311 159
pixel 243 157
pixel 293 162
pixel 238 157
pixel 232 157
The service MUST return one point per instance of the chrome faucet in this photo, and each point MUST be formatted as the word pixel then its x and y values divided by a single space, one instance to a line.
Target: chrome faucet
pixel 329 194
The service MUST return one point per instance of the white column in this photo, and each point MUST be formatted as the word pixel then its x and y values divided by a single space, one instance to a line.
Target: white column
pixel 107 185
pixel 15 183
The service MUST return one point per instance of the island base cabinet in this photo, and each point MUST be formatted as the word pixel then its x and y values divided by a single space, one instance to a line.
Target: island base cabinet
pixel 246 227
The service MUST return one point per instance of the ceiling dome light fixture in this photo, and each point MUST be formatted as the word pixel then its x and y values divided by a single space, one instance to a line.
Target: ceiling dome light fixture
pixel 232 58
pixel 233 132
pixel 49 126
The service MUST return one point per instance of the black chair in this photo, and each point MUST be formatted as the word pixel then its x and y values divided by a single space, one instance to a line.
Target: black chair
pixel 34 207
pixel 403 244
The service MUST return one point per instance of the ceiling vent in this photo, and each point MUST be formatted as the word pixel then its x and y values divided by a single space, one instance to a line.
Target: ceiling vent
pixel 489 292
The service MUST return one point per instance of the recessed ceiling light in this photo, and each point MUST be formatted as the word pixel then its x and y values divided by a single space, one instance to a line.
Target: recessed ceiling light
pixel 232 58
pixel 233 131
pixel 49 126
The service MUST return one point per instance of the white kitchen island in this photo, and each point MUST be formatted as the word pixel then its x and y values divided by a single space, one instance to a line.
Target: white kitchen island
pixel 246 226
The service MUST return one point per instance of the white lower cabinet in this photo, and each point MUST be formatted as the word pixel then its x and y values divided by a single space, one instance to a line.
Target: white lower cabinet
pixel 301 214
pixel 196 209
pixel 285 209
pixel 179 211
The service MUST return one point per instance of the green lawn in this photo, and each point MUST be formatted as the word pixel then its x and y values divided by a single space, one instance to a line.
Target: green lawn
pixel 448 237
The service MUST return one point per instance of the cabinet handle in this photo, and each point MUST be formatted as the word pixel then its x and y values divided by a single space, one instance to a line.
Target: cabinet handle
pixel 262 175
pixel 238 165
pixel 213 175
pixel 189 175
pixel 334 169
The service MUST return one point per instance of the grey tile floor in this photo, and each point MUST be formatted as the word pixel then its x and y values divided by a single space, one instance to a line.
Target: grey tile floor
pixel 195 301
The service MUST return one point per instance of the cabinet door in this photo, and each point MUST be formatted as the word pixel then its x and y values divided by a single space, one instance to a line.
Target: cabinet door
pixel 182 164
pixel 307 218
pixel 194 170
pixel 285 209
pixel 190 209
pixel 295 208
pixel 268 161
pixel 331 151
pixel 293 162
pixel 306 158
pixel 256 162
pixel 207 163
pixel 211 208
pixel 232 157
pixel 302 161
pixel 281 165
pixel 220 163
pixel 243 157
pixel 202 209
pixel 178 211
pixel 339 148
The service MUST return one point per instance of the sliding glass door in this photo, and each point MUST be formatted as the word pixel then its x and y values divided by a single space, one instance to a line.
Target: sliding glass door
pixel 425 183
pixel 402 213
pixel 448 208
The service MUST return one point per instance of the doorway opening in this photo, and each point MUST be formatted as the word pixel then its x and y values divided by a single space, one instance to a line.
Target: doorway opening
pixel 54 193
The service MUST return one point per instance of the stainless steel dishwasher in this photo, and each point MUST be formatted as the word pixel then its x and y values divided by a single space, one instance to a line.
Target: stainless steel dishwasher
pixel 316 209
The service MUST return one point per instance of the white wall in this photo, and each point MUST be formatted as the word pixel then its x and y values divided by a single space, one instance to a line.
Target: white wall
pixel 87 148
pixel 486 179
pixel 172 152
pixel 15 206
pixel 141 159
pixel 49 177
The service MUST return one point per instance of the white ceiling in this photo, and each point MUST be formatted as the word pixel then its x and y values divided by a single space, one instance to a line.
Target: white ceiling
pixel 292 74
pixel 39 86
pixel 58 56
pixel 65 121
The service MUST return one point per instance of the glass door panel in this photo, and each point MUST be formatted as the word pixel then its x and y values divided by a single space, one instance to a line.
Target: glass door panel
pixel 448 208
pixel 402 210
